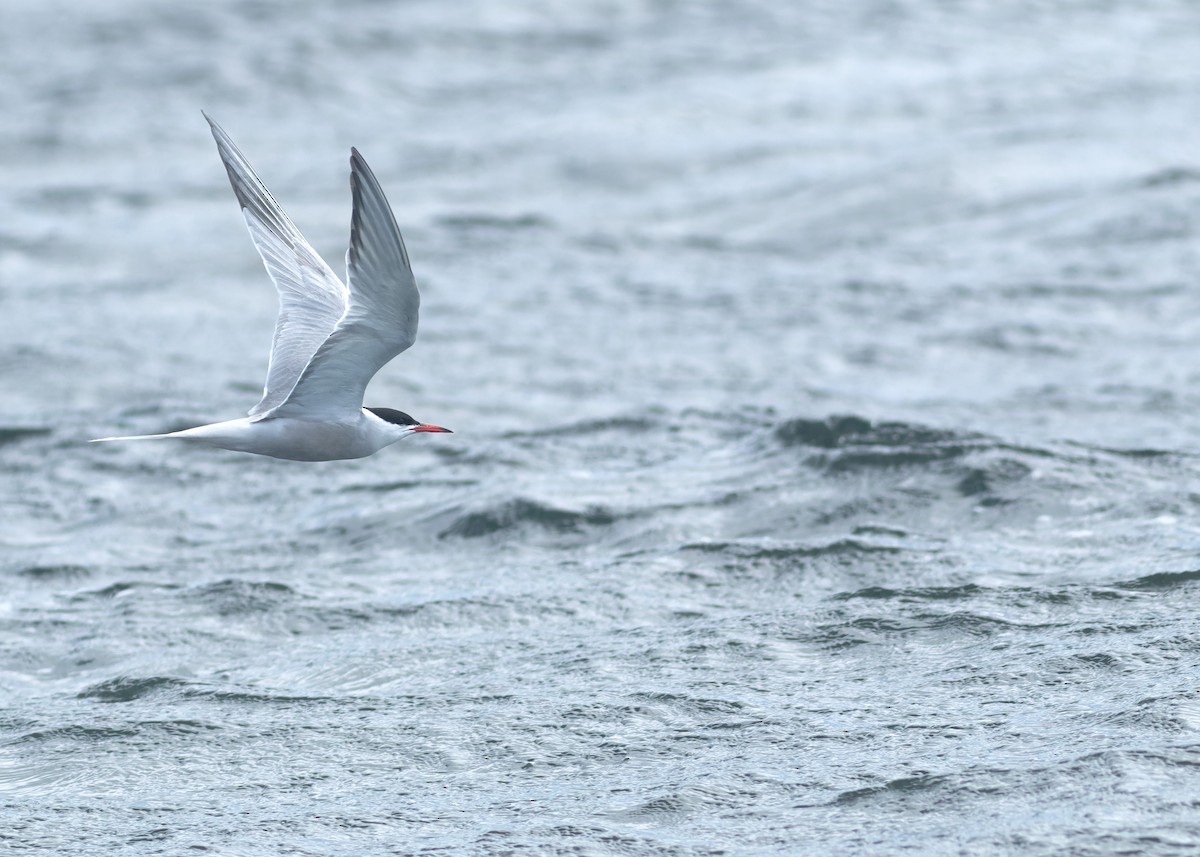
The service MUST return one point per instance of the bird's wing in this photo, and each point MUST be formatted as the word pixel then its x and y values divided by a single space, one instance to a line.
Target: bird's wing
pixel 381 319
pixel 311 297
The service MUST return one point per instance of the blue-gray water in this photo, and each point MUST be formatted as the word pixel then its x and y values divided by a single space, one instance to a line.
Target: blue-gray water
pixel 827 407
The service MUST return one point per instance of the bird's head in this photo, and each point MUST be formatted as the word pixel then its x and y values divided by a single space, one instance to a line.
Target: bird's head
pixel 404 422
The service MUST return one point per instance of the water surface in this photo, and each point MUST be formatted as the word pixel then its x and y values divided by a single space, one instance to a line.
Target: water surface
pixel 824 476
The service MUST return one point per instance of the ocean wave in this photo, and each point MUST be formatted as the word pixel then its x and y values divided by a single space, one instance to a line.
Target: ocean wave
pixel 932 593
pixel 15 434
pixel 520 512
pixel 1160 580
pixel 233 597
pixel 129 688
pixel 853 443
pixel 743 550
pixel 55 573
pixel 589 427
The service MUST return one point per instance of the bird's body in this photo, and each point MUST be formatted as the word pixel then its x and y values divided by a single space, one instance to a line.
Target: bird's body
pixel 295 439
pixel 330 338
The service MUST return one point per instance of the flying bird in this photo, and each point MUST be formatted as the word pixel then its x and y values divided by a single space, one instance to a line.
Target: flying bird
pixel 331 337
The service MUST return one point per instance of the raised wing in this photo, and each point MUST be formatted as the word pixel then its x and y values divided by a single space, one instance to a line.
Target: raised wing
pixel 311 297
pixel 381 319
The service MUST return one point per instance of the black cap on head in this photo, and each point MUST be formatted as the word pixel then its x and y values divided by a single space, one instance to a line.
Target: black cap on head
pixel 394 416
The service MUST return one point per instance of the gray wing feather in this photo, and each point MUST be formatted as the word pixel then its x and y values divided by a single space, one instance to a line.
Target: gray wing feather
pixel 381 318
pixel 311 297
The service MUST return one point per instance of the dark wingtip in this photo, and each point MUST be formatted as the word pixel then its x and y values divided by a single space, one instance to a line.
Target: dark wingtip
pixel 358 164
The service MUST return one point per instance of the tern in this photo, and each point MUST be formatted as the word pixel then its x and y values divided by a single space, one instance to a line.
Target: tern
pixel 330 338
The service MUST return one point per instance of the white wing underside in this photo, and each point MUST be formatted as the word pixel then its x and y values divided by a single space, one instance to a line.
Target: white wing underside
pixel 330 340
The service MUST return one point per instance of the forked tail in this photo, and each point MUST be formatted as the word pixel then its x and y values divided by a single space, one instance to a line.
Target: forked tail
pixel 133 437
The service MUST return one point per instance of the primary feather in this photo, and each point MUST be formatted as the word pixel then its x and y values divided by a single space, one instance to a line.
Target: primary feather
pixel 311 297
pixel 380 320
